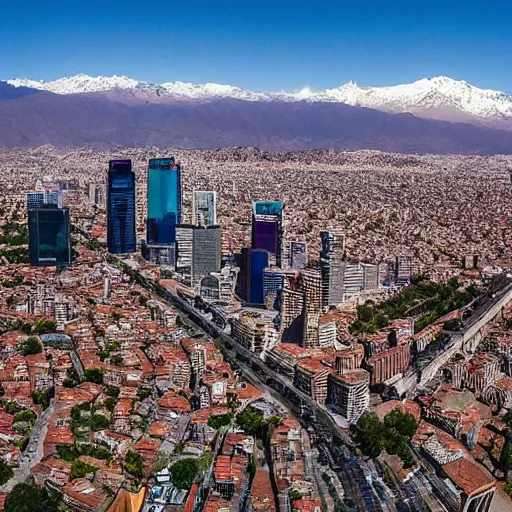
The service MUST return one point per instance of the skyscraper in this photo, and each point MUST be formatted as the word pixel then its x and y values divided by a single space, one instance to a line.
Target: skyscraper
pixel 198 251
pixel 331 264
pixel 206 252
pixel 121 236
pixel 251 278
pixel 298 255
pixel 267 229
pixel 164 200
pixel 48 232
pixel 204 208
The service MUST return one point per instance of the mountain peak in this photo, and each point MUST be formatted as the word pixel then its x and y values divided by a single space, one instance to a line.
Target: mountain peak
pixel 422 97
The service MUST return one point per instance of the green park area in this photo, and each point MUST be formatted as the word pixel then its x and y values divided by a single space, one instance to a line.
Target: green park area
pixel 424 300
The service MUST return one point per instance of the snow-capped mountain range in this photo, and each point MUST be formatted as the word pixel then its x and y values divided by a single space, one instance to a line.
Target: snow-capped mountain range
pixel 440 97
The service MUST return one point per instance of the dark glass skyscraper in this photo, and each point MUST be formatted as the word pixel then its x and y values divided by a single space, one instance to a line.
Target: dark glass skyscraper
pixel 121 213
pixel 48 236
pixel 253 265
pixel 267 228
pixel 164 200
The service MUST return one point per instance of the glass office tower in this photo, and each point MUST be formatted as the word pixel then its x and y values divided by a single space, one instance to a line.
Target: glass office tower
pixel 121 237
pixel 204 208
pixel 267 228
pixel 164 200
pixel 48 236
pixel 253 263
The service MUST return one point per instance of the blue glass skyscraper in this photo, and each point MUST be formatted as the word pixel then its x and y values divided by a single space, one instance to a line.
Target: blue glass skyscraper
pixel 121 237
pixel 48 236
pixel 164 200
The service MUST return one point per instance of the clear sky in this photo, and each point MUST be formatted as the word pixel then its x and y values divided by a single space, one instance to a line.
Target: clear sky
pixel 261 45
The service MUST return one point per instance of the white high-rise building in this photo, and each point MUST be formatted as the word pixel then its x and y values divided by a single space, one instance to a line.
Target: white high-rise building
pixel 204 208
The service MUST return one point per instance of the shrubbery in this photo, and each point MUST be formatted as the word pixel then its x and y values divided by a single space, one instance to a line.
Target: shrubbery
pixel 30 346
pixel 134 463
pixel 184 472
pixel 80 469
pixel 219 420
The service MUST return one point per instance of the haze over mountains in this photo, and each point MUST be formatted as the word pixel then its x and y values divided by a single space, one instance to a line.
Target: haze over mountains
pixel 438 115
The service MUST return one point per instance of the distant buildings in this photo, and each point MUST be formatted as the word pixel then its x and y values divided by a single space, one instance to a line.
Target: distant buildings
pixel 403 269
pixel 49 236
pixel 204 208
pixel 121 236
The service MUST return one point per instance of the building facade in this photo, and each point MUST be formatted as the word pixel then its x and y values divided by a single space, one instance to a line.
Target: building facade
pixel 198 251
pixel 121 236
pixel 49 236
pixel 254 263
pixel 332 267
pixel 204 208
pixel 267 229
pixel 164 200
pixel 298 252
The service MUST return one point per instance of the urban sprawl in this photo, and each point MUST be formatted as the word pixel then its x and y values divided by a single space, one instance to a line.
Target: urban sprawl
pixel 240 330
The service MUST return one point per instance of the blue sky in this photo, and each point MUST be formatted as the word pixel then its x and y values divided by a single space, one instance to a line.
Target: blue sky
pixel 263 45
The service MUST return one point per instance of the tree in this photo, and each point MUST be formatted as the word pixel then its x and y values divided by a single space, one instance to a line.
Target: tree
pixel 134 463
pixel 184 472
pixel 506 455
pixel 251 421
pixel 369 433
pixel 116 360
pixel 219 420
pixel 402 423
pixel 30 346
pixel 98 422
pixel 29 497
pixel 26 415
pixel 143 393
pixel 113 391
pixel 6 472
pixel 80 469
pixel 393 434
pixel 45 326
pixel 94 375
pixel 110 403
pixel 295 495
